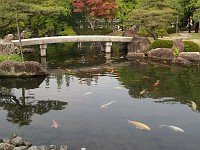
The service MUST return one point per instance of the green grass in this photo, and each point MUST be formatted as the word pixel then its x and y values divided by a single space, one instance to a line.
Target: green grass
pixel 10 57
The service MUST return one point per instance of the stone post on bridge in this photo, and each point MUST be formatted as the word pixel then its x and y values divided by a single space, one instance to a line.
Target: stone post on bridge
pixel 43 48
pixel 106 47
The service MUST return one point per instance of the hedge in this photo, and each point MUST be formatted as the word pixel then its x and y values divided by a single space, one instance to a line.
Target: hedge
pixel 190 46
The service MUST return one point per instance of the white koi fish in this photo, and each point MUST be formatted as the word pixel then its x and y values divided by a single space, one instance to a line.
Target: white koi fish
pixel 194 106
pixel 174 128
pixel 88 93
pixel 143 91
pixel 107 104
pixel 139 125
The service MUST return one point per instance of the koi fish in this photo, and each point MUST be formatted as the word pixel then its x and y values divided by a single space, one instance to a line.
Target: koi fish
pixel 107 104
pixel 139 125
pixel 88 93
pixel 55 124
pixel 143 91
pixel 174 128
pixel 194 106
pixel 156 83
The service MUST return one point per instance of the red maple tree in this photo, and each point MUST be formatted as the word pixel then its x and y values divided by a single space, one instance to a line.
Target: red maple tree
pixel 95 8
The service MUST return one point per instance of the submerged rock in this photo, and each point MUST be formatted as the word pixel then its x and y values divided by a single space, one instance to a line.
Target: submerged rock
pixel 181 61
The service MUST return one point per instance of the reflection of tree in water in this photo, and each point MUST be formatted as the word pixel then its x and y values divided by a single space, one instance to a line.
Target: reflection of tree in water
pixel 21 110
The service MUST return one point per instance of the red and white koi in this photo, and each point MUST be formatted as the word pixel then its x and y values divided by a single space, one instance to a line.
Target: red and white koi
pixel 55 124
pixel 156 83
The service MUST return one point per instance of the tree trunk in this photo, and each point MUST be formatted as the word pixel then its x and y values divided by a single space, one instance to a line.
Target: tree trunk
pixel 153 34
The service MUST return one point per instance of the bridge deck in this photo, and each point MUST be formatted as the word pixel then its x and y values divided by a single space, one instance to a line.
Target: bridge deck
pixel 81 38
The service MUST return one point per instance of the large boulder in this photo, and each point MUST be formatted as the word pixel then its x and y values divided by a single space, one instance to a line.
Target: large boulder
pixel 178 43
pixel 22 69
pixel 131 32
pixel 139 44
pixel 6 47
pixel 161 54
pixel 191 56
pixel 181 61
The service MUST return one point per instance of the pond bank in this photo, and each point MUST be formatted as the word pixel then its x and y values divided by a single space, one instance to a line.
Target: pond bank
pixel 17 143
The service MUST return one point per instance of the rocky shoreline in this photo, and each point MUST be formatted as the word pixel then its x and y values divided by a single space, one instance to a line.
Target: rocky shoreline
pixel 17 143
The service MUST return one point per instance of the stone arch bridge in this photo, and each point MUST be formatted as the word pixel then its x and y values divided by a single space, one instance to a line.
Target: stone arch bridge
pixel 43 41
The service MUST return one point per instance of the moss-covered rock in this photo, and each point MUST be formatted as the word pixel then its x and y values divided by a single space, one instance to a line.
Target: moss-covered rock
pixel 22 69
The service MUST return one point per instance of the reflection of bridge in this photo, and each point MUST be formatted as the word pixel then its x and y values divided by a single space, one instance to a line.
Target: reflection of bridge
pixel 82 38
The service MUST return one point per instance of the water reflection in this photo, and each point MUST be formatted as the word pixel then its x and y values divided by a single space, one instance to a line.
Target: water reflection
pixel 20 110
pixel 87 87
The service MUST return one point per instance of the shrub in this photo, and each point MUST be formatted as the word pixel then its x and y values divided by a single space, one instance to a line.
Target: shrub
pixel 161 44
pixel 191 46
pixel 10 57
pixel 161 32
pixel 171 30
pixel 176 51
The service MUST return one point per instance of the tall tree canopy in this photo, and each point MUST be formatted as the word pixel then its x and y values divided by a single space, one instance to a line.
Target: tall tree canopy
pixel 25 10
pixel 124 9
pixel 153 15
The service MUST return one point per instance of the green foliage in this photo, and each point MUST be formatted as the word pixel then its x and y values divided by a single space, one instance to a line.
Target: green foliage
pixel 161 32
pixel 10 57
pixel 143 32
pixel 161 44
pixel 171 30
pixel 176 51
pixel 124 9
pixel 67 31
pixel 152 16
pixel 191 46
pixel 102 31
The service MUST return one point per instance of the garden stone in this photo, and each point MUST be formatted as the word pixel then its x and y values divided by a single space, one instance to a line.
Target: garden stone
pixel 17 148
pixel 192 56
pixel 52 147
pixel 34 147
pixel 24 147
pixel 139 44
pixel 134 56
pixel 8 37
pixel 2 146
pixel 178 43
pixel 17 141
pixel 131 32
pixel 6 146
pixel 161 54
pixel 22 69
pixel 27 143
pixel 43 147
pixel 6 140
pixel 63 147
pixel 181 61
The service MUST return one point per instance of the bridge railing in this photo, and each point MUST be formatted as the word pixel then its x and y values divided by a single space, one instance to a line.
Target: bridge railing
pixel 43 41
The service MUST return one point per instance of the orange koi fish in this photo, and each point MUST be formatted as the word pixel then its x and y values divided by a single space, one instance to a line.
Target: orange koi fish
pixel 139 125
pixel 55 124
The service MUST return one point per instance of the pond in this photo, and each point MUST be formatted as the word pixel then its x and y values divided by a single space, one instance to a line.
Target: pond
pixel 92 97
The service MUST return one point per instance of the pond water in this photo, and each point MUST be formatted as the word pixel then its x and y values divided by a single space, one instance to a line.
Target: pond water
pixel 92 105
